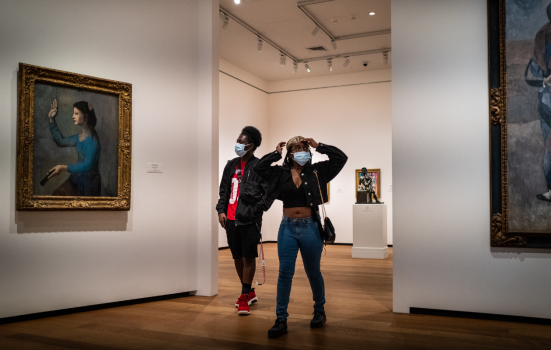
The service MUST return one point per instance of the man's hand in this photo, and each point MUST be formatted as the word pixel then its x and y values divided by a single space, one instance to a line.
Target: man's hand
pixel 222 220
pixel 279 147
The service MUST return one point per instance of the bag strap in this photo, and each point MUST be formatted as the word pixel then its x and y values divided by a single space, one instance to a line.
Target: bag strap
pixel 321 195
pixel 263 263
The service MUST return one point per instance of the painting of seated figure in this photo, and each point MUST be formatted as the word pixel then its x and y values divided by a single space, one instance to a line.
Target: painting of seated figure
pixel 78 128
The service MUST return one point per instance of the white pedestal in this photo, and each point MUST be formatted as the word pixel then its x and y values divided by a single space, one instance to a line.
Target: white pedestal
pixel 369 231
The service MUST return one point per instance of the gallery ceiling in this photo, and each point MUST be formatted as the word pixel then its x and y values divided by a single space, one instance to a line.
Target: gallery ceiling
pixel 286 25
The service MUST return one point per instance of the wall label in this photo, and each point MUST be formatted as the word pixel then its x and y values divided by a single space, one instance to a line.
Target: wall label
pixel 154 168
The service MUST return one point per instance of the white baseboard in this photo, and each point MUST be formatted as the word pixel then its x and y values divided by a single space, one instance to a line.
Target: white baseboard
pixel 370 253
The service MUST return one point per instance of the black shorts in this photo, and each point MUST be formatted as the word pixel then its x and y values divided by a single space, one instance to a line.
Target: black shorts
pixel 243 240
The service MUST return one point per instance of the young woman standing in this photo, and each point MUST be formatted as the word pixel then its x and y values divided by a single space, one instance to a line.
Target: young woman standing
pixel 298 184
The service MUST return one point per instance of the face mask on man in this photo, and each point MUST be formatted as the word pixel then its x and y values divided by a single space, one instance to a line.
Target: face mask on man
pixel 240 149
pixel 302 157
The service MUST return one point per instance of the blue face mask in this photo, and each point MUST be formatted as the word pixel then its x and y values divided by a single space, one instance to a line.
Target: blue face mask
pixel 240 149
pixel 302 157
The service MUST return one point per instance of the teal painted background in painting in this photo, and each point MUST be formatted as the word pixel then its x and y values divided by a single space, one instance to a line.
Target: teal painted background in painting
pixel 47 154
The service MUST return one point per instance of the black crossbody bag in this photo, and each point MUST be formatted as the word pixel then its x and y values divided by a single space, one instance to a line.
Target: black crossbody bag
pixel 328 229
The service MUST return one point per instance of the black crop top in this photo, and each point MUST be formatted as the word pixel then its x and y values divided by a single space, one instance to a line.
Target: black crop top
pixel 292 196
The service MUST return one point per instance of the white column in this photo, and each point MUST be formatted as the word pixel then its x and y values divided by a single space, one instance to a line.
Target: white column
pixel 207 169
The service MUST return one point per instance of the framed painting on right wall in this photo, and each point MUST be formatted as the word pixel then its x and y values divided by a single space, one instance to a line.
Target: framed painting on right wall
pixel 520 122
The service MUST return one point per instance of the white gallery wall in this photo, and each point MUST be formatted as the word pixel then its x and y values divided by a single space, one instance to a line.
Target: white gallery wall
pixel 240 105
pixel 350 111
pixel 165 49
pixel 440 133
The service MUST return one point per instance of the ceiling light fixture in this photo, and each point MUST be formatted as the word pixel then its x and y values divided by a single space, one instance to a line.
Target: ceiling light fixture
pixel 226 21
pixel 307 67
pixel 259 46
pixel 372 13
pixel 282 58
pixel 315 31
pixel 295 67
pixel 347 62
pixel 237 2
pixel 330 64
pixel 334 44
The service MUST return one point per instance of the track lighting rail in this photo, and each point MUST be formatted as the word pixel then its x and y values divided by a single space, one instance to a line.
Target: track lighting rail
pixel 301 5
pixel 343 55
pixel 255 32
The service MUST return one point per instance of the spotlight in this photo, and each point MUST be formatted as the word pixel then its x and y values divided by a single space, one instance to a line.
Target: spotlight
pixel 372 13
pixel 237 2
pixel 226 21
pixel 315 31
pixel 334 44
pixel 295 67
pixel 385 57
pixel 259 47
pixel 282 58
pixel 347 62
pixel 307 67
pixel 330 64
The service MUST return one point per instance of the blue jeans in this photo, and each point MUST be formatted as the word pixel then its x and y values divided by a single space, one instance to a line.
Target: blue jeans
pixel 295 234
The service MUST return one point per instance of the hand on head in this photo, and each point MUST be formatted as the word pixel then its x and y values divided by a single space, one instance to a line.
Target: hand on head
pixel 311 142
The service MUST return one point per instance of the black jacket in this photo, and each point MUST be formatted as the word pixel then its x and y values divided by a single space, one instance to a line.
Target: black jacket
pixel 246 213
pixel 277 175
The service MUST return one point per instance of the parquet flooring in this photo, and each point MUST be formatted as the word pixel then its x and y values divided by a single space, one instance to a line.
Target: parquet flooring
pixel 359 310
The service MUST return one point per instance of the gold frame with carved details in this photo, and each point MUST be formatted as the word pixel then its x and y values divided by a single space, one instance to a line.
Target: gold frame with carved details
pixel 28 75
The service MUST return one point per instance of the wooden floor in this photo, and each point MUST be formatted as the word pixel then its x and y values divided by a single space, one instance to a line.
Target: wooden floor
pixel 359 310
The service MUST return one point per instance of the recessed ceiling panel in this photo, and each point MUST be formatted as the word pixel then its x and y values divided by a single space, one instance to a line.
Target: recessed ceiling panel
pixel 286 25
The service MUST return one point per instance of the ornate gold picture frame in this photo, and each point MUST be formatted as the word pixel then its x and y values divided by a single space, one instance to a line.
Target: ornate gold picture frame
pixel 376 174
pixel 74 137
pixel 520 123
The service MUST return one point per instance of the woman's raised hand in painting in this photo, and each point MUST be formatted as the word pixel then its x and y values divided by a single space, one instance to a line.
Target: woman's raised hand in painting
pixel 53 111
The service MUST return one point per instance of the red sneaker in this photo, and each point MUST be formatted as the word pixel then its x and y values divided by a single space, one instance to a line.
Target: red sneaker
pixel 243 308
pixel 252 297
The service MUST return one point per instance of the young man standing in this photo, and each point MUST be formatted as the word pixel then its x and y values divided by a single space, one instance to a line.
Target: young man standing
pixel 240 208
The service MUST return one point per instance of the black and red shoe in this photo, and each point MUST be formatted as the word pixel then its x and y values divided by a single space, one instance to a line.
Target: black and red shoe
pixel 243 308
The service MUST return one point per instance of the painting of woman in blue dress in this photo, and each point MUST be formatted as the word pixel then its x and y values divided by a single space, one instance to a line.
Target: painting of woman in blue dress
pixel 84 179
